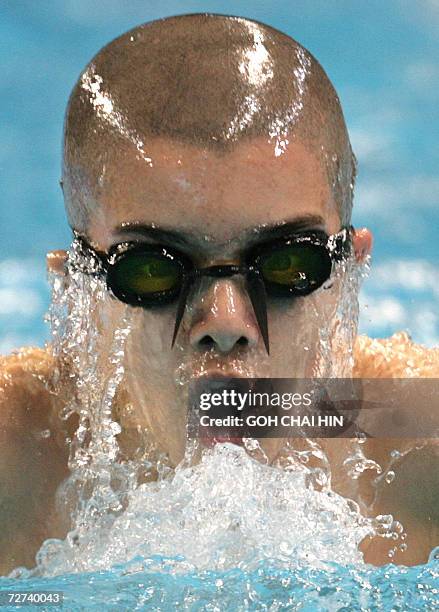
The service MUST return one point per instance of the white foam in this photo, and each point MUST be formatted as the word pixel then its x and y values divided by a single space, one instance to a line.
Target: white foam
pixel 227 511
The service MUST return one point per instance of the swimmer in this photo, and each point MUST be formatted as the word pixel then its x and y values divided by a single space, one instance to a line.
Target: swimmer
pixel 193 143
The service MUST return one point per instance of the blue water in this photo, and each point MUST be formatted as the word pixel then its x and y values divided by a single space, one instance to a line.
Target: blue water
pixel 382 59
pixel 268 587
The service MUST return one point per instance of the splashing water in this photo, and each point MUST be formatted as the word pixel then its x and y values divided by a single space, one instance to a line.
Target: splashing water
pixel 196 534
pixel 337 337
pixel 227 511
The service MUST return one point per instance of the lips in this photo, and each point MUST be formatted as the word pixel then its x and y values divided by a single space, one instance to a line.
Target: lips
pixel 210 440
pixel 221 375
pixel 215 382
pixel 218 381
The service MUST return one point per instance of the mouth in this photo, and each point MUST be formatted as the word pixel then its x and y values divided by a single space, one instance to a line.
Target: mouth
pixel 215 381
pixel 210 440
pixel 218 428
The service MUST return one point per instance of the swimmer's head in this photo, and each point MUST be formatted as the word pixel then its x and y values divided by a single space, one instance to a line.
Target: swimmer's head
pixel 209 134
pixel 209 81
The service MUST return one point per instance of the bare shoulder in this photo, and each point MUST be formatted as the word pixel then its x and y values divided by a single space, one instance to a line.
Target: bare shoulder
pixel 394 357
pixel 410 496
pixel 28 365
pixel 33 456
pixel 24 393
pixel 29 407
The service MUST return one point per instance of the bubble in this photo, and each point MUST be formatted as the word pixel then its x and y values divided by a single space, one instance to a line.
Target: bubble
pixel 45 433
pixel 227 510
pixel 390 476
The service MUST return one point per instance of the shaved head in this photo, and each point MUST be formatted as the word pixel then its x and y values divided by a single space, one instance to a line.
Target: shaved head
pixel 208 81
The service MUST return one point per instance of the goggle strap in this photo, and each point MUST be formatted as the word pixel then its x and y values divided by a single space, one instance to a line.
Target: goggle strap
pixel 339 245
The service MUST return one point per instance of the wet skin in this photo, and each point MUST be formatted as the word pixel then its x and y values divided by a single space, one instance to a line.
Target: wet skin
pixel 219 202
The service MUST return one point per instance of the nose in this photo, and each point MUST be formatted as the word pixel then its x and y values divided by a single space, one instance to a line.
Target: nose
pixel 224 319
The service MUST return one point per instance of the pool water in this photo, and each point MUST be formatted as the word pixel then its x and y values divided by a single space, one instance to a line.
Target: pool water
pixel 138 586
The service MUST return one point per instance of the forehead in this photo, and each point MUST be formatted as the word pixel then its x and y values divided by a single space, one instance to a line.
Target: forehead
pixel 218 195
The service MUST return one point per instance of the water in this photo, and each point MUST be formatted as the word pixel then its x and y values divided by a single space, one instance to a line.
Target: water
pixel 154 585
pixel 140 585
pixel 231 536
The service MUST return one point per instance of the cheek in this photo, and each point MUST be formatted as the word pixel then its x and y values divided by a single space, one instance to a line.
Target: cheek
pixel 151 370
pixel 297 329
pixel 150 367
pixel 149 352
pixel 294 335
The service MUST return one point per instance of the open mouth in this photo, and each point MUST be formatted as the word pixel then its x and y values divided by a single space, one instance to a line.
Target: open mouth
pixel 211 438
pixel 220 407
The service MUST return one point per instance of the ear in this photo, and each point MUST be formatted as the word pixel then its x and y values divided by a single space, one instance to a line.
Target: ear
pixel 362 243
pixel 55 262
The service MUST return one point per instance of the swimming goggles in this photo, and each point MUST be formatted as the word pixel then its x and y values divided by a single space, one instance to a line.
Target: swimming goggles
pixel 150 275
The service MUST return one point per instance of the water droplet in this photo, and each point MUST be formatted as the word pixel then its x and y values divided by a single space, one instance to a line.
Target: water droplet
pixel 46 433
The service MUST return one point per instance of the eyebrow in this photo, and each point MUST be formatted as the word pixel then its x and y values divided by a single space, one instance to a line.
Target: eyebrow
pixel 187 239
pixel 155 232
pixel 285 228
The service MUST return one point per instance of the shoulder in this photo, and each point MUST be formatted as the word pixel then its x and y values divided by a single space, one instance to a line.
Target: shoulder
pixel 24 391
pixel 27 360
pixel 394 357
pixel 33 456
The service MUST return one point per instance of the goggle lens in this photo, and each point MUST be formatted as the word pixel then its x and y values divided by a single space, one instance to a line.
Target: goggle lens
pixel 141 277
pixel 145 278
pixel 295 269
